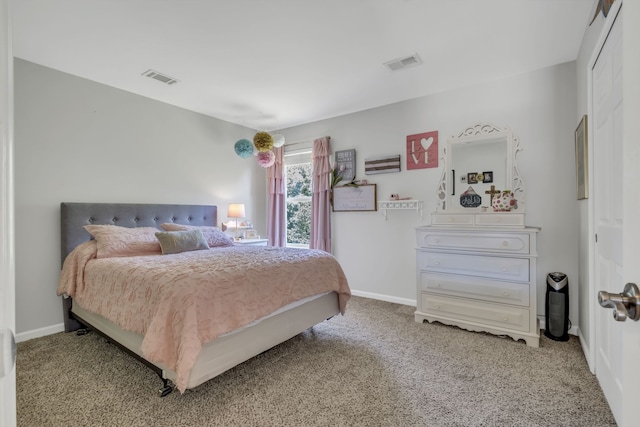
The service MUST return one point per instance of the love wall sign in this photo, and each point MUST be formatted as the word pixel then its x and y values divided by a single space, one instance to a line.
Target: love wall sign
pixel 422 150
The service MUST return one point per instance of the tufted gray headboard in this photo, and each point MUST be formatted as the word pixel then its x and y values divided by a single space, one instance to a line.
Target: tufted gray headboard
pixel 73 216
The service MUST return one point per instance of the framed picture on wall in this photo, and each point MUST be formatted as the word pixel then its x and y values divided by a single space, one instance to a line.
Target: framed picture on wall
pixel 582 157
pixel 346 163
pixel 347 198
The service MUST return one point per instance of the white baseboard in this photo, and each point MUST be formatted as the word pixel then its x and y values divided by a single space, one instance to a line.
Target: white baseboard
pixel 587 352
pixel 37 333
pixel 381 297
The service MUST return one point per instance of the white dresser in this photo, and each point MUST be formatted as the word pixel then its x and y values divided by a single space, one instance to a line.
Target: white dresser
pixel 479 278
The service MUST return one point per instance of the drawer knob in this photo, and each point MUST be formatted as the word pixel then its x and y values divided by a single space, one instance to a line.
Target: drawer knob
pixel 504 269
pixel 498 219
pixel 505 243
pixel 505 318
pixel 436 285
pixel 451 219
pixel 505 294
pixel 437 306
pixel 436 240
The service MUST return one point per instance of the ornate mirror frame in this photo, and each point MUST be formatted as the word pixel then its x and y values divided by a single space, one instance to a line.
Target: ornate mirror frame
pixel 452 184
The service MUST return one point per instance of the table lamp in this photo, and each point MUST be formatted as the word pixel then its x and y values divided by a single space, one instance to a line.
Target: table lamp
pixel 236 210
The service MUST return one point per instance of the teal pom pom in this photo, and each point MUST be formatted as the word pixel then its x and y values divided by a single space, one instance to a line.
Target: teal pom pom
pixel 244 148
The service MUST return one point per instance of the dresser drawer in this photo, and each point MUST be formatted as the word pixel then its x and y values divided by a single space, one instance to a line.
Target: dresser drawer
pixel 479 312
pixel 510 269
pixel 500 219
pixel 470 241
pixel 452 219
pixel 476 288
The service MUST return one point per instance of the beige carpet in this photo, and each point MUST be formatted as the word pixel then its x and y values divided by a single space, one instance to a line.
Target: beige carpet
pixel 373 367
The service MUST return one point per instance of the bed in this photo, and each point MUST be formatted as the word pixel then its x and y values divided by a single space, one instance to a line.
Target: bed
pixel 218 349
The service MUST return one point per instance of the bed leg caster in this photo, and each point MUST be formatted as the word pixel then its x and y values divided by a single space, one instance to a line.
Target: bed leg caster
pixel 166 388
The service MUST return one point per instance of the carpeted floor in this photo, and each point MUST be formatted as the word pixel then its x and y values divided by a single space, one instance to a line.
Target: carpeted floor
pixel 372 367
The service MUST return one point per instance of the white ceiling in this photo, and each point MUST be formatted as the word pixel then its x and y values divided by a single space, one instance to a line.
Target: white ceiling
pixel 271 64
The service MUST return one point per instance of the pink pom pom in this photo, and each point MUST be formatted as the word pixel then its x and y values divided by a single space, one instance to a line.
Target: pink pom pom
pixel 266 158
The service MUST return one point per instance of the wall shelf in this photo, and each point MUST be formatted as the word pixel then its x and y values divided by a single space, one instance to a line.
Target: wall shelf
pixel 391 205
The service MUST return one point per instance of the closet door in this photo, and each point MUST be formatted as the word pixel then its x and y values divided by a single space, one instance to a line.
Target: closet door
pixel 607 186
pixel 615 207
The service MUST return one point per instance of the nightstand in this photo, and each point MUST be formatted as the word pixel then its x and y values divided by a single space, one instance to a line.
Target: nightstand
pixel 252 242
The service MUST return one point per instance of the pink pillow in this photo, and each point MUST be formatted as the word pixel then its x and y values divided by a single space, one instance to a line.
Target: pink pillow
pixel 115 241
pixel 213 235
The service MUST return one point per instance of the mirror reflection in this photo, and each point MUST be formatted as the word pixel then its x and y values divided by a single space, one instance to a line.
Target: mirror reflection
pixel 480 165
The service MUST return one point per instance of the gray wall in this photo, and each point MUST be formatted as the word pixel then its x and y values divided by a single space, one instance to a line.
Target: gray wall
pixel 378 256
pixel 77 140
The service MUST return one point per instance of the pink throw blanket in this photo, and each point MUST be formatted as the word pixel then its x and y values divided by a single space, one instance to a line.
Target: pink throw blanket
pixel 181 301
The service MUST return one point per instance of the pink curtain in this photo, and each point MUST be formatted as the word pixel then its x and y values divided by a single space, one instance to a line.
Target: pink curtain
pixel 277 215
pixel 320 199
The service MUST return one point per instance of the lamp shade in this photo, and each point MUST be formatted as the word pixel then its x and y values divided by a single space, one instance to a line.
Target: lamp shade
pixel 236 210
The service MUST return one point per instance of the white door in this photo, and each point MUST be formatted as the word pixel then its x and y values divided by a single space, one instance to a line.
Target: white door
pixel 608 214
pixel 615 214
pixel 7 278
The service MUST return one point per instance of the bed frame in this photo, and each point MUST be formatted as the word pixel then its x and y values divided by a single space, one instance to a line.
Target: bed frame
pixel 217 356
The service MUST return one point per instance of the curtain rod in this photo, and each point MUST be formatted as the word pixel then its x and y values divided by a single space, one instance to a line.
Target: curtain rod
pixel 304 141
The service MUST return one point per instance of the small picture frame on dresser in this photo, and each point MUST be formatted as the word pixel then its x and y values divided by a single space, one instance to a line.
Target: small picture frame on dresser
pixel 251 234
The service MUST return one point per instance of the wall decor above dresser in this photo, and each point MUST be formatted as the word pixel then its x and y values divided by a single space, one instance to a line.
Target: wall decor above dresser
pixel 476 262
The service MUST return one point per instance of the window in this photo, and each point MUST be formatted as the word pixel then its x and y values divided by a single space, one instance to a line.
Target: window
pixel 297 171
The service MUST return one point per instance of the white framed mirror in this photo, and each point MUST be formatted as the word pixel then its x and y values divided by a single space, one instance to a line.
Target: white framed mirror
pixel 479 165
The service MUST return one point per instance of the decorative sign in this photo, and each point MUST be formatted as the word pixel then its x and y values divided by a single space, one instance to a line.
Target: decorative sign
pixel 385 164
pixel 361 198
pixel 422 150
pixel 346 164
pixel 470 199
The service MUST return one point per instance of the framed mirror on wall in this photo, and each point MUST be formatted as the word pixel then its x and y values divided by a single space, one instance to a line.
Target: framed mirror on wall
pixel 481 177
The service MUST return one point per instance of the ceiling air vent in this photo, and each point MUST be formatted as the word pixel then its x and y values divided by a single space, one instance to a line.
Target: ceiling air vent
pixel 160 77
pixel 402 63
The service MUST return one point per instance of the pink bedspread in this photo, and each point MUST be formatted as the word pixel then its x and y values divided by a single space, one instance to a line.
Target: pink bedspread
pixel 181 301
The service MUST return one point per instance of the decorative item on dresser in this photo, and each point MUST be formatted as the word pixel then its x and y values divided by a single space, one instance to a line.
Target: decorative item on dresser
pixel 476 262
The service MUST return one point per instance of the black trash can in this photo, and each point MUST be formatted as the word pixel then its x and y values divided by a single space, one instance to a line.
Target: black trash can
pixel 556 307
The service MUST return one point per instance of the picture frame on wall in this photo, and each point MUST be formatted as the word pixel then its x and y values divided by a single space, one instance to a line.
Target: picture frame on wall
pixel 346 163
pixel 347 198
pixel 582 157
